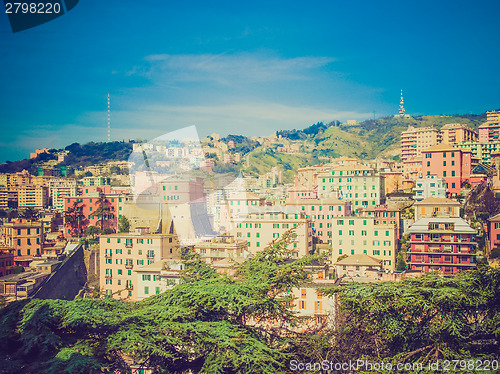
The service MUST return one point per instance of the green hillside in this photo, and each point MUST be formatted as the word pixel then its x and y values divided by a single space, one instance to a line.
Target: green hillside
pixel 370 139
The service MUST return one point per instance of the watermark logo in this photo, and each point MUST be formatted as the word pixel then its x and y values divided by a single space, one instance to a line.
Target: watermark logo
pixel 173 180
pixel 26 14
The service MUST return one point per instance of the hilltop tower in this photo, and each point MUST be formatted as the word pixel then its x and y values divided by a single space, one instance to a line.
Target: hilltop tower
pixel 402 108
pixel 401 105
pixel 109 121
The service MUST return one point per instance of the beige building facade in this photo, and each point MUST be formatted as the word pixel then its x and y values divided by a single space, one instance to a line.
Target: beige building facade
pixel 121 254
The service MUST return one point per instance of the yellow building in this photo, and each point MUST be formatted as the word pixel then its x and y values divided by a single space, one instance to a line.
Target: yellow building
pixel 222 247
pixel 264 225
pixel 121 253
pixel 33 196
pixel 364 235
pixel 453 133
pixel 436 207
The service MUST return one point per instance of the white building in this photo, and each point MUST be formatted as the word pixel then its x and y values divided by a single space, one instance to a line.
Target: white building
pixel 158 277
pixel 430 186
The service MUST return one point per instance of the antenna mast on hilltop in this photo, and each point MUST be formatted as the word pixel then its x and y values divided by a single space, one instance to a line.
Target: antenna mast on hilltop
pixel 401 106
pixel 109 121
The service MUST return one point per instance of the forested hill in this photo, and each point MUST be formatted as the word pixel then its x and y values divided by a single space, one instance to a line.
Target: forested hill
pixel 78 155
pixel 366 140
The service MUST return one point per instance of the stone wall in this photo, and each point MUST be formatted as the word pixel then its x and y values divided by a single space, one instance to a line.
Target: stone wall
pixel 67 280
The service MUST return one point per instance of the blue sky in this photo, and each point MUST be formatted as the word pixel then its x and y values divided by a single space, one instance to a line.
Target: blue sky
pixel 240 67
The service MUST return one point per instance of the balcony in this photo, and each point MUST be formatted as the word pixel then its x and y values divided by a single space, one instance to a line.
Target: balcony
pixel 129 266
pixel 108 255
pixel 108 276
pixel 129 287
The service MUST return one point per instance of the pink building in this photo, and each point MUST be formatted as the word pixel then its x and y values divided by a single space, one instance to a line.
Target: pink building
pixel 494 231
pixel 452 164
pixel 88 206
pixel 296 193
pixel 321 212
pixel 443 244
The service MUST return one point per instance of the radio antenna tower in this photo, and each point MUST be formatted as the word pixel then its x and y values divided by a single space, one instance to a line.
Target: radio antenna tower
pixel 109 121
pixel 401 106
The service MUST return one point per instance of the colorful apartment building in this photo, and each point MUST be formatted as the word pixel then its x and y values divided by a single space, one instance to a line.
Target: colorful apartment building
pixel 494 231
pixel 96 181
pixel 321 212
pixel 121 254
pixel 33 196
pixel 60 189
pixel 454 133
pixel 490 130
pixel 7 264
pixel 415 139
pixel 365 235
pixel 88 206
pixel 8 198
pixel 222 247
pixel 385 216
pixel 436 207
pixel 449 163
pixel 264 225
pixel 158 277
pixel 445 244
pixel 361 185
pixel 412 169
pixel 25 237
pixel 481 152
pixel 430 186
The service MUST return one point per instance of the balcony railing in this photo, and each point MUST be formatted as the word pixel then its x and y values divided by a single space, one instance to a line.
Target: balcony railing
pixel 129 266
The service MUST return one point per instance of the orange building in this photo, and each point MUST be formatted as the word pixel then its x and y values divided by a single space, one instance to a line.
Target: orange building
pixel 453 133
pixel 25 237
pixel 416 139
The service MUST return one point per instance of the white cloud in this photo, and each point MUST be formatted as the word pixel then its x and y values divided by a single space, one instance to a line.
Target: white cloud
pixel 228 69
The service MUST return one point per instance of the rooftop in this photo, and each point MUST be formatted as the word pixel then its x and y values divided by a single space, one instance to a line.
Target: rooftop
pixel 359 260
pixel 460 225
pixel 438 201
pixel 442 147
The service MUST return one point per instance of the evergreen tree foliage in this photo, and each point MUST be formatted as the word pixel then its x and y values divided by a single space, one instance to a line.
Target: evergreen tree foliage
pixel 431 317
pixel 203 324
pixel 123 224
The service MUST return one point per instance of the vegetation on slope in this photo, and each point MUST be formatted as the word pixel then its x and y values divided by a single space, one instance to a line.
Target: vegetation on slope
pixel 204 325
